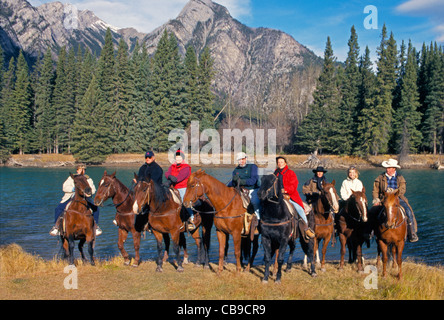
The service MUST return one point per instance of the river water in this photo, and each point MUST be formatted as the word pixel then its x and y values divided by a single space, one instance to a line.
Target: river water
pixel 28 197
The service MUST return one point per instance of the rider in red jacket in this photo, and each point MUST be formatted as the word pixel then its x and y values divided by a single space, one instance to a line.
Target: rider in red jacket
pixel 290 182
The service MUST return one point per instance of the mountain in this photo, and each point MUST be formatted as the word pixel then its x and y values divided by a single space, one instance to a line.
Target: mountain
pixel 248 61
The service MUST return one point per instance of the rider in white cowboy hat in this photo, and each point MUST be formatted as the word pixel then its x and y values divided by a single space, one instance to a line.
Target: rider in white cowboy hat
pixel 390 181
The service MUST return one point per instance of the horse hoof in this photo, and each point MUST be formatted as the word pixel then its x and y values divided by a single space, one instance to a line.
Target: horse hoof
pixel 135 265
pixel 159 269
pixel 314 275
pixel 185 261
pixel 264 281
pixel 180 269
pixel 323 270
pixel 277 282
pixel 127 263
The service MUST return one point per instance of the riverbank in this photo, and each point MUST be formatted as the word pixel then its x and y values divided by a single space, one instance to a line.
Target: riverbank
pixel 421 161
pixel 28 277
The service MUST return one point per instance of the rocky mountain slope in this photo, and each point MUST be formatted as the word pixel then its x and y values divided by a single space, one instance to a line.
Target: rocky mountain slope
pixel 248 61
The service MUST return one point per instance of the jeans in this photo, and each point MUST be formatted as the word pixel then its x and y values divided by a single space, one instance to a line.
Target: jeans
pixel 256 202
pixel 300 211
pixel 62 206
pixel 182 194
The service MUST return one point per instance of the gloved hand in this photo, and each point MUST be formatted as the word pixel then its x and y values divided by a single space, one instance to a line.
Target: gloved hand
pixel 235 180
pixel 173 179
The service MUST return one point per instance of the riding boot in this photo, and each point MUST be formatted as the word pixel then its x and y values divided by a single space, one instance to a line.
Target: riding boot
pixel 55 231
pixel 411 223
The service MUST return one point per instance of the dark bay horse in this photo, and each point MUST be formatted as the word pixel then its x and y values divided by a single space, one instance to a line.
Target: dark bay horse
pixel 78 221
pixel 351 226
pixel 323 209
pixel 228 210
pixel 390 226
pixel 279 227
pixel 164 215
pixel 123 199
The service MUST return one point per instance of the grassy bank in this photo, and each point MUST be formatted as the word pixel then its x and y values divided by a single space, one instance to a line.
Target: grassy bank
pixel 24 276
pixel 294 161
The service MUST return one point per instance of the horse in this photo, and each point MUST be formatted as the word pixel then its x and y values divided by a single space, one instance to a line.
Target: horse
pixel 164 215
pixel 78 221
pixel 390 226
pixel 123 198
pixel 351 223
pixel 228 210
pixel 323 209
pixel 278 227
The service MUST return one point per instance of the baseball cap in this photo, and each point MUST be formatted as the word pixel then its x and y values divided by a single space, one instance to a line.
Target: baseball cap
pixel 149 154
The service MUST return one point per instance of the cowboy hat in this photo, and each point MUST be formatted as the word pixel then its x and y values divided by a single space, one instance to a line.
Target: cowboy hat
pixel 241 155
pixel 391 163
pixel 319 169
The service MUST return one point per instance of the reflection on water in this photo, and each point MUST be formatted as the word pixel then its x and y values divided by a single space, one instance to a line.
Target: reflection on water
pixel 28 197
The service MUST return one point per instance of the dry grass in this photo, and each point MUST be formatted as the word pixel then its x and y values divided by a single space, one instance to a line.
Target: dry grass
pixel 24 276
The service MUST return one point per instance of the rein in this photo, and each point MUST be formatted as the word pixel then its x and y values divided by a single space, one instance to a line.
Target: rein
pixel 396 225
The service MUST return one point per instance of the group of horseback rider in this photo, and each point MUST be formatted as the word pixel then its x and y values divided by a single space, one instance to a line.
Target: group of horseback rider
pixel 246 176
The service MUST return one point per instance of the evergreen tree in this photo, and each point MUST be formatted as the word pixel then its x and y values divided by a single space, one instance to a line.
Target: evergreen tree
pixel 44 112
pixel 7 104
pixel 386 83
pixel 366 116
pixel 192 104
pixel 407 118
pixel 343 133
pixel 205 96
pixel 21 107
pixel 167 91
pixel 313 134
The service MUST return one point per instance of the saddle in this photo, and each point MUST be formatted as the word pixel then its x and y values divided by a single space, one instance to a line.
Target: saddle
pixel 176 196
pixel 250 226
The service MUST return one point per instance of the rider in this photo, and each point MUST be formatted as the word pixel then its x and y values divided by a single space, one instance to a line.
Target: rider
pixel 69 189
pixel 150 169
pixel 313 187
pixel 390 181
pixel 290 184
pixel 177 175
pixel 351 183
pixel 246 175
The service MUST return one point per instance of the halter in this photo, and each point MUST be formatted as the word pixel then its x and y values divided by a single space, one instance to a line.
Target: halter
pixel 359 211
pixel 148 201
pixel 383 213
pixel 118 204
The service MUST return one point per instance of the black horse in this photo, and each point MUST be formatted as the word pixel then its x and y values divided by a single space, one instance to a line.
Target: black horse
pixel 278 227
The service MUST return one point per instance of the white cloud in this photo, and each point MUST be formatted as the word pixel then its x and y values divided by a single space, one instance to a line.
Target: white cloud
pixel 145 15
pixel 433 9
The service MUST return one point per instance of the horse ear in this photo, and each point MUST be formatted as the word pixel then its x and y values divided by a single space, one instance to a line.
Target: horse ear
pixel 323 183
pixel 113 175
pixel 72 176
pixel 397 192
pixel 135 176
pixel 333 183
pixel 105 173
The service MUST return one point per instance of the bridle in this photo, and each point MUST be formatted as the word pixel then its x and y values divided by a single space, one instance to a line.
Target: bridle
pixel 107 195
pixel 204 194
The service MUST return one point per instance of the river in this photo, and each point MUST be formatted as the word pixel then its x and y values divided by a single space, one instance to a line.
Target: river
pixel 28 197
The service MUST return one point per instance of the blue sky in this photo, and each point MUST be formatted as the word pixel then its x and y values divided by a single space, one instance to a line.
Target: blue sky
pixel 309 22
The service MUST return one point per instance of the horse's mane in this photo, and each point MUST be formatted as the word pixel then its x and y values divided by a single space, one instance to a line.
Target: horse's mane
pixel 161 194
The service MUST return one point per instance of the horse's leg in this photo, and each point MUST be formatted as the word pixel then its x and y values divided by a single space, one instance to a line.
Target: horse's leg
pixel 206 233
pixel 383 248
pixel 199 244
pixel 266 243
pixel 183 244
pixel 221 237
pixel 159 260
pixel 255 249
pixel 91 251
pixel 399 249
pixel 282 248
pixel 123 234
pixel 166 239
pixel 176 246
pixel 343 241
pixel 359 257
pixel 80 246
pixel 237 249
pixel 136 239
pixel 292 245
pixel 324 251
pixel 71 249
pixel 275 265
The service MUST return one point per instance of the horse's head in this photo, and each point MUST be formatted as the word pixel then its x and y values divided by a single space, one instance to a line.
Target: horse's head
pixel 142 192
pixel 82 186
pixel 360 201
pixel 270 188
pixel 105 189
pixel 329 192
pixel 391 206
pixel 195 188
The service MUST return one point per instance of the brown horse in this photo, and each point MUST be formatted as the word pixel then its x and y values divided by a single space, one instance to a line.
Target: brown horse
pixel 78 221
pixel 350 224
pixel 164 215
pixel 123 198
pixel 323 209
pixel 390 229
pixel 229 211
